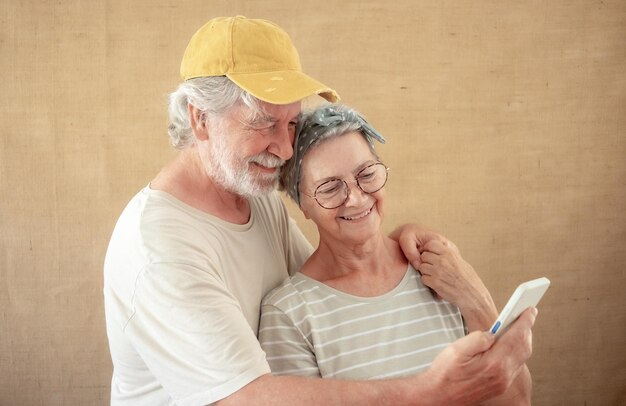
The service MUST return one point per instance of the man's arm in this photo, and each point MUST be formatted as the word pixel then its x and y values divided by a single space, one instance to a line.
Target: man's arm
pixel 471 370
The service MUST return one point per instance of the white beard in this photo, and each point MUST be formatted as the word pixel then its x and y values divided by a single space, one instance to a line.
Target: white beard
pixel 233 173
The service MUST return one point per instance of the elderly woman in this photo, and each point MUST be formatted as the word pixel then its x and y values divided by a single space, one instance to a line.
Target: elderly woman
pixel 357 309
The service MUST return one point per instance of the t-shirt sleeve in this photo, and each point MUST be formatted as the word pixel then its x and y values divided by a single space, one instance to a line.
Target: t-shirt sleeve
pixel 287 349
pixel 191 333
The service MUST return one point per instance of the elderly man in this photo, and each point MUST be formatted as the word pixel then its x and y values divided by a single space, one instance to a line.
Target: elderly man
pixel 194 252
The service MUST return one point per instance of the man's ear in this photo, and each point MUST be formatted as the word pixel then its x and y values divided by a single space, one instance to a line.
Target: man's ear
pixel 197 120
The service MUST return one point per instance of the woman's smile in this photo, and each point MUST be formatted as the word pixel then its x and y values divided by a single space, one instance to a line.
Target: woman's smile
pixel 358 216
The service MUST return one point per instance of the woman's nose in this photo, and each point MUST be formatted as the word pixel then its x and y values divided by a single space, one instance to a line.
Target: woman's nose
pixel 356 196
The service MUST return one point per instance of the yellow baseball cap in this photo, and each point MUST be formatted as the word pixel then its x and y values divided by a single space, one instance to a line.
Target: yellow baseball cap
pixel 256 54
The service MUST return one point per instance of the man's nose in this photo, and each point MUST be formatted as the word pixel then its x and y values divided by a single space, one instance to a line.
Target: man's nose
pixel 282 143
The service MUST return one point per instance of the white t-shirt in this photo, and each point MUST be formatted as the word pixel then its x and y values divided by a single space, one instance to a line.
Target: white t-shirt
pixel 182 294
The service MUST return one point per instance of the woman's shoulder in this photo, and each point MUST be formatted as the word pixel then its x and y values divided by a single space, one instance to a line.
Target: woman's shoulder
pixel 293 291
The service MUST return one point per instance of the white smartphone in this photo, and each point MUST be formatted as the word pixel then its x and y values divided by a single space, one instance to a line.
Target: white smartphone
pixel 526 295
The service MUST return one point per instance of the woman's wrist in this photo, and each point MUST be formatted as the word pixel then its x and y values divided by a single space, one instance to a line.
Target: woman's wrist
pixel 479 312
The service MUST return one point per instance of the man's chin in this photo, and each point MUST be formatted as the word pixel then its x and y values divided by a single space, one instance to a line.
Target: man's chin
pixel 260 188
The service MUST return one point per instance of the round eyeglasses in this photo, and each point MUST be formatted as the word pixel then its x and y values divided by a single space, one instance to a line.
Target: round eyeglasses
pixel 334 192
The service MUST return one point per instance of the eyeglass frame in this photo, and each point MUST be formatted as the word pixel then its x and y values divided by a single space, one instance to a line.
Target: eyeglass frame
pixel 356 178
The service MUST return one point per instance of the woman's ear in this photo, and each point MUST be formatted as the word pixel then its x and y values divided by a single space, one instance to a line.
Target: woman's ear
pixel 304 211
pixel 197 120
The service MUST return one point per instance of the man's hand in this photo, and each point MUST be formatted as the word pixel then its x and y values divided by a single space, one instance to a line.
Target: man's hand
pixel 478 367
pixel 412 238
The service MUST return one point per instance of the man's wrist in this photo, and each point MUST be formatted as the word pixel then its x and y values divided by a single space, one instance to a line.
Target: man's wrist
pixel 426 390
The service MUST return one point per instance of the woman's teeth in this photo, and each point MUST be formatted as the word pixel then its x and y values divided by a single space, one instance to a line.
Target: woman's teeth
pixel 359 216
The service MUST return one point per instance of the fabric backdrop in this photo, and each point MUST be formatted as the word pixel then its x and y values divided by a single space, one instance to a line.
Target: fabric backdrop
pixel 506 129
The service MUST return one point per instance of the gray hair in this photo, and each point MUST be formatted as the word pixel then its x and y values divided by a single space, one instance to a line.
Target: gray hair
pixel 314 127
pixel 213 95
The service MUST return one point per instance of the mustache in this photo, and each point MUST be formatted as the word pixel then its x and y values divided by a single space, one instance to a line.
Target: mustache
pixel 267 160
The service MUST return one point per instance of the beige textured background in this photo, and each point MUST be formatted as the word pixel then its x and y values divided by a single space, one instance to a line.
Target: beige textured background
pixel 506 123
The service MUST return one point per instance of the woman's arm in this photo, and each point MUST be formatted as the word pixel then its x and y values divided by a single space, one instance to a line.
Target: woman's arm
pixel 412 238
pixel 454 279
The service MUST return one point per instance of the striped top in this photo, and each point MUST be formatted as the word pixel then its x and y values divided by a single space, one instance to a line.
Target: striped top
pixel 308 328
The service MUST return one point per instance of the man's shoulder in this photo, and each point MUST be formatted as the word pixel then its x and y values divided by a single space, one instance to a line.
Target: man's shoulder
pixel 270 202
pixel 270 210
pixel 163 226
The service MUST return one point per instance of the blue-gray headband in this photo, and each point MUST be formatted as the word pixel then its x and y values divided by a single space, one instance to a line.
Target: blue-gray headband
pixel 311 128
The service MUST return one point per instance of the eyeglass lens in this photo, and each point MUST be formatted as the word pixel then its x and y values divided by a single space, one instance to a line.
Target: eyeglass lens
pixel 334 193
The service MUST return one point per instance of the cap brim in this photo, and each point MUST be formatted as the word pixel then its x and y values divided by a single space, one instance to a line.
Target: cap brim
pixel 282 87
